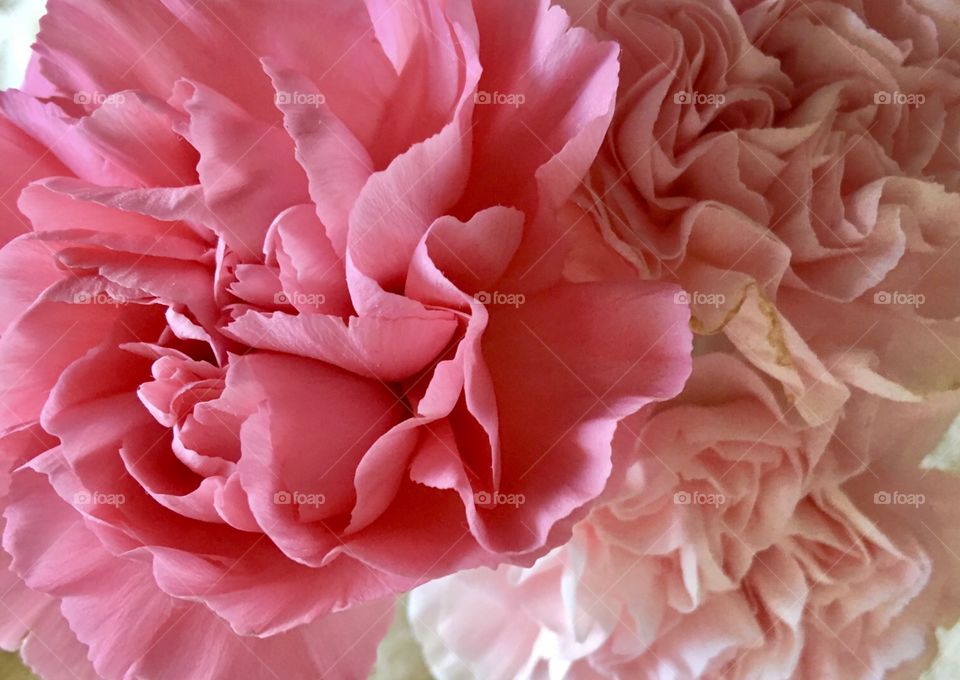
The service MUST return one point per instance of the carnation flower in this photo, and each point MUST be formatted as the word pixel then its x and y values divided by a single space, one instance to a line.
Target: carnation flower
pixel 283 327
pixel 736 545
pixel 793 166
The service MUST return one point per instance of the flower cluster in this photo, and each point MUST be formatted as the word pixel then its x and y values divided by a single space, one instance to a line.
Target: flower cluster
pixel 618 332
pixel 795 167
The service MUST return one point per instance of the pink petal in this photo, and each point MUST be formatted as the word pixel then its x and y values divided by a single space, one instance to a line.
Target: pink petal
pixel 193 41
pixel 288 449
pixel 24 162
pixel 386 348
pixel 309 266
pixel 471 255
pixel 68 331
pixel 566 365
pixel 238 151
pixel 335 162
pixel 134 630
pixel 397 204
pixel 60 203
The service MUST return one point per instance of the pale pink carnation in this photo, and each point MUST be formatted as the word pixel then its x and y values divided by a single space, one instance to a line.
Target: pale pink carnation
pixel 795 166
pixel 732 544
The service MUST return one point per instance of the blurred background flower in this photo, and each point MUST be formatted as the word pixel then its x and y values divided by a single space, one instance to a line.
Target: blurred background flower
pixel 399 656
pixel 19 23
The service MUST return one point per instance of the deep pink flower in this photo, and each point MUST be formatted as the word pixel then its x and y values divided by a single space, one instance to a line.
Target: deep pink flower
pixel 283 322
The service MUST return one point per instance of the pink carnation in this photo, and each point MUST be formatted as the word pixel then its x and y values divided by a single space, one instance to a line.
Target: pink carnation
pixel 737 545
pixel 282 320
